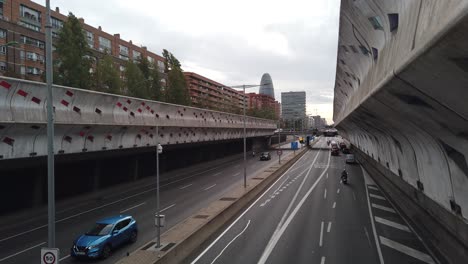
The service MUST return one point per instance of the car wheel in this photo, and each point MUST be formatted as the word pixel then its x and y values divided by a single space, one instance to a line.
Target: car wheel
pixel 133 237
pixel 106 251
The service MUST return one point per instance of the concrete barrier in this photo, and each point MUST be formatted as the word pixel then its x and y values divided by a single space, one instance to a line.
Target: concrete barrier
pixel 184 238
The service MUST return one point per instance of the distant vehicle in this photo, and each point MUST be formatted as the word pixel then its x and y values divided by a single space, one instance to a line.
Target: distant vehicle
pixel 265 156
pixel 335 152
pixel 106 235
pixel 342 145
pixel 346 151
pixel 350 158
pixel 333 144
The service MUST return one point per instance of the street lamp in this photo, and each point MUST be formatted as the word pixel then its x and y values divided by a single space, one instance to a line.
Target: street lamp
pixel 244 86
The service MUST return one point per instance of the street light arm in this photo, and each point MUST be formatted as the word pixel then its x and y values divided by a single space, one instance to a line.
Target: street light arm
pixel 248 85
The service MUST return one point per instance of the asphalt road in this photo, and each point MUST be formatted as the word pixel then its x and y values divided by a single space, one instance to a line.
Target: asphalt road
pixel 20 242
pixel 309 216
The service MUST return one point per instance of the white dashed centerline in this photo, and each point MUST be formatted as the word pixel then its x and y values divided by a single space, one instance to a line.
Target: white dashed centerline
pixel 321 235
pixel 209 187
pixel 325 194
pixel 237 174
pixel 322 261
pixel 128 209
pixel 334 205
pixel 170 206
pixel 329 227
pixel 186 186
pixel 338 191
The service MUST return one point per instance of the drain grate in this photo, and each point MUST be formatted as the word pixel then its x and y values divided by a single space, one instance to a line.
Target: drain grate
pixel 149 245
pixel 167 247
pixel 228 199
pixel 201 216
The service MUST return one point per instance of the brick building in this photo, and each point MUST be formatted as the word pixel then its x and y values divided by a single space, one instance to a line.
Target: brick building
pixel 262 101
pixel 23 21
pixel 206 93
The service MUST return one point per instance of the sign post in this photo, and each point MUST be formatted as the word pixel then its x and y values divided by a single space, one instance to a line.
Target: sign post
pixel 50 255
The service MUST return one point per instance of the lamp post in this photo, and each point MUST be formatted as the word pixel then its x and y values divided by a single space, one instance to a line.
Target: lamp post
pixel 158 212
pixel 244 86
pixel 279 141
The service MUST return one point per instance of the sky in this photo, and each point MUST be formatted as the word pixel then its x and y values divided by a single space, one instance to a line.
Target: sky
pixel 233 42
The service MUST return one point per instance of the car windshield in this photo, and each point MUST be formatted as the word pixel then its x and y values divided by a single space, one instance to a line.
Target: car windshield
pixel 265 153
pixel 99 230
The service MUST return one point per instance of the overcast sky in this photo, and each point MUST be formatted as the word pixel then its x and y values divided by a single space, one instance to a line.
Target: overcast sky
pixel 232 42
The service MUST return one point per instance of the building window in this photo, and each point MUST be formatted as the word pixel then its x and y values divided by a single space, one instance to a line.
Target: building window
pixel 376 22
pixel 33 71
pixel 3 50
pixel 90 38
pixel 104 44
pixel 56 23
pixel 136 55
pixel 123 50
pixel 30 14
pixel 161 66
pixel 22 70
pixel 22 54
pixel 29 25
pixel 393 19
pixel 151 59
pixel 3 33
pixel 31 41
pixel 122 57
pixel 3 66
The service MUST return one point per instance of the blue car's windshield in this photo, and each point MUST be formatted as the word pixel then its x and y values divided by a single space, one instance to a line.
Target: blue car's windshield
pixel 99 230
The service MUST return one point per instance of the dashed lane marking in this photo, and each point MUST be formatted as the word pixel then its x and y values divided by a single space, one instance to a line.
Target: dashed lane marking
pixel 209 187
pixel 334 205
pixel 377 197
pixel 406 250
pixel 186 186
pixel 392 224
pixel 329 227
pixel 384 208
pixel 372 187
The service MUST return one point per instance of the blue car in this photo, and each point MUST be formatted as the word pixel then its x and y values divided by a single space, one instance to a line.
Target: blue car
pixel 106 235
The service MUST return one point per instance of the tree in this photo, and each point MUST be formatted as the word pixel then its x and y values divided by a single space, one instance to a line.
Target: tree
pixel 72 64
pixel 135 81
pixel 155 85
pixel 107 76
pixel 177 91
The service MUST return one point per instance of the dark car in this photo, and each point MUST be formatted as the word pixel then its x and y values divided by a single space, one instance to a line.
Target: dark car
pixel 342 145
pixel 335 152
pixel 106 235
pixel 346 151
pixel 265 156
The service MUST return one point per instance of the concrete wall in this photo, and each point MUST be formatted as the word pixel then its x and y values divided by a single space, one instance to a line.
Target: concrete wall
pixel 93 121
pixel 405 104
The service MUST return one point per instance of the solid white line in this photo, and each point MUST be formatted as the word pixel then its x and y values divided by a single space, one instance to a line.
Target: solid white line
pixel 247 210
pixel 329 227
pixel 377 196
pixel 385 208
pixel 338 191
pixel 334 205
pixel 64 258
pixel 186 186
pixel 322 261
pixel 406 250
pixel 372 187
pixel 368 238
pixel 392 224
pixel 209 187
pixel 238 235
pixel 128 209
pixel 379 250
pixel 236 174
pixel 321 235
pixel 325 194
pixel 22 251
pixel 276 236
pixel 22 233
pixel 170 206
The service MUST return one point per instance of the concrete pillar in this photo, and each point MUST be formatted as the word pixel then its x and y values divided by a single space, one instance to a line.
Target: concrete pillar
pixel 37 197
pixel 96 176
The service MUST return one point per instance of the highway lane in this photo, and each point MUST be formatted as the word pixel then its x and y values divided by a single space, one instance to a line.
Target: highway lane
pixel 309 216
pixel 21 243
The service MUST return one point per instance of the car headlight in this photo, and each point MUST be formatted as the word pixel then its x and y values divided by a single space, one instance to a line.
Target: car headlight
pixel 93 246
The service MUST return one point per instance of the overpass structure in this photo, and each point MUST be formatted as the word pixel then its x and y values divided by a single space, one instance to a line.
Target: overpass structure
pixel 88 121
pixel 401 99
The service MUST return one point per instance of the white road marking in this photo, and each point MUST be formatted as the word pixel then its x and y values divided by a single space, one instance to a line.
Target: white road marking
pixel 327 175
pixel 237 174
pixel 186 186
pixel 379 250
pixel 264 203
pixel 368 238
pixel 406 250
pixel 230 242
pixel 22 251
pixel 372 187
pixel 325 194
pixel 128 209
pixel 338 191
pixel 322 261
pixel 64 258
pixel 242 215
pixel 329 227
pixel 170 206
pixel 392 224
pixel 334 205
pixel 354 196
pixel 385 208
pixel 321 235
pixel 277 235
pixel 216 174
pixel 209 187
pixel 377 196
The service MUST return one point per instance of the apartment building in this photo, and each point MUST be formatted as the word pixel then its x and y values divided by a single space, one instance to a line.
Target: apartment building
pixel 261 101
pixel 23 21
pixel 206 93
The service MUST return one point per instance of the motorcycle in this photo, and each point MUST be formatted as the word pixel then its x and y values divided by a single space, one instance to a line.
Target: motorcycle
pixel 344 178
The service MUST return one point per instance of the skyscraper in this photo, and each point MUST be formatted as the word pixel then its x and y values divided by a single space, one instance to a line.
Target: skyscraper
pixel 267 85
pixel 293 106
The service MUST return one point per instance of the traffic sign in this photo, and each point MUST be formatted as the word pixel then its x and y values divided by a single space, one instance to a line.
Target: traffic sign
pixel 280 152
pixel 50 255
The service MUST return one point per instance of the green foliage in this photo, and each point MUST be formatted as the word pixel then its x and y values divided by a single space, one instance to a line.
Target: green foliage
pixel 72 65
pixel 267 113
pixel 135 81
pixel 107 76
pixel 155 85
pixel 176 92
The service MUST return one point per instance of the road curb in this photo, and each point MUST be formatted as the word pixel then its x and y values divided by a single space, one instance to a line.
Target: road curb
pixel 184 238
